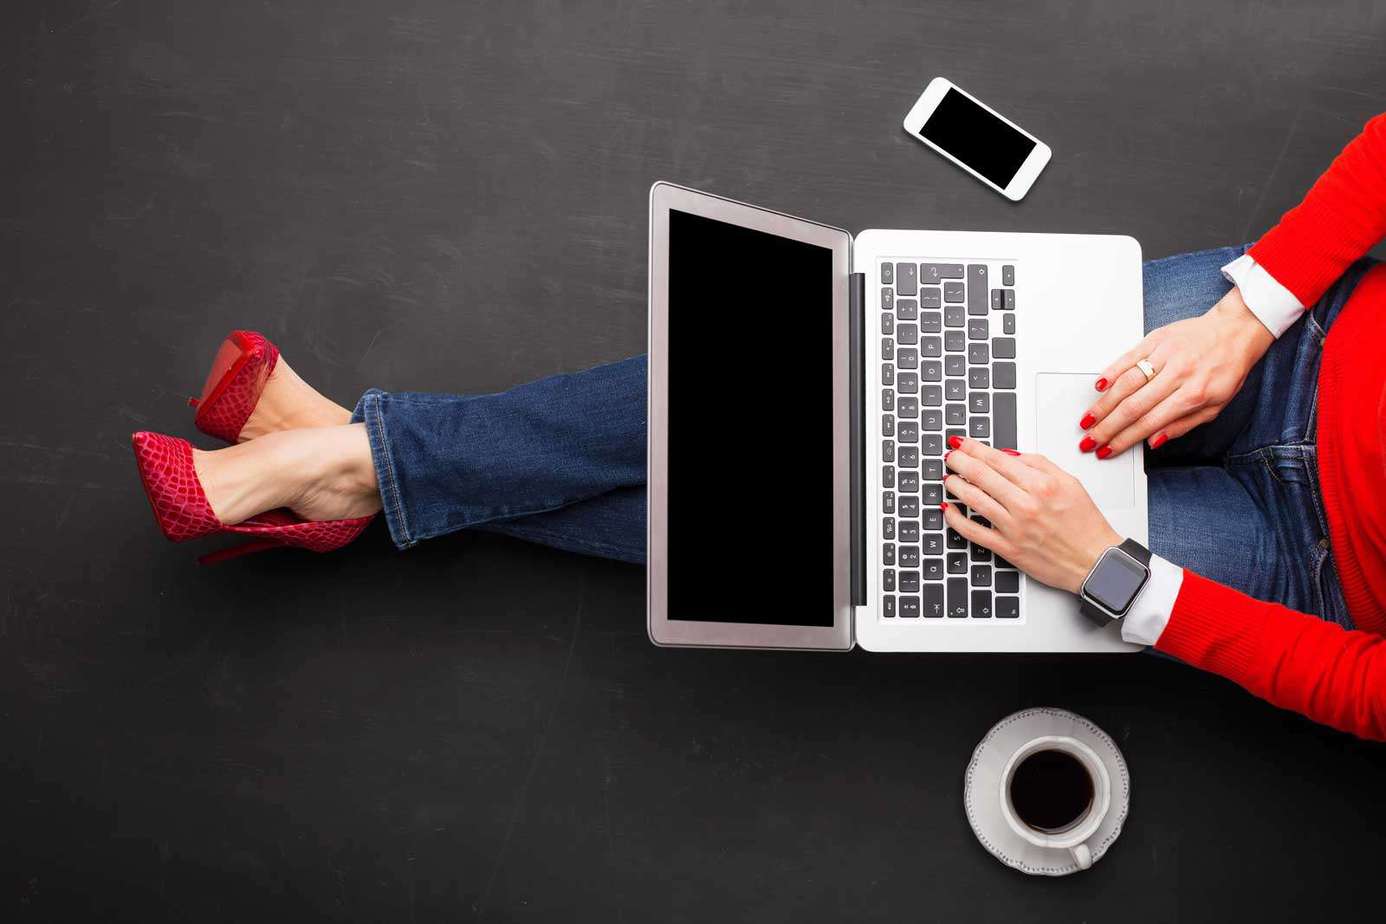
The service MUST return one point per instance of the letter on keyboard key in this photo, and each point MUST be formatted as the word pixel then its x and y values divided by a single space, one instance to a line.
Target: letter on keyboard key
pixel 930 323
pixel 909 383
pixel 1004 414
pixel 978 353
pixel 930 444
pixel 906 278
pixel 979 402
pixel 932 395
pixel 1003 375
pixel 907 408
pixel 909 607
pixel 957 598
pixel 979 428
pixel 933 601
pixel 909 457
pixel 909 483
pixel 957 563
pixel 976 329
pixel 931 297
pixel 981 604
pixel 978 378
pixel 907 358
pixel 981 575
pixel 909 530
pixel 932 519
pixel 931 370
pixel 932 420
pixel 933 544
pixel 954 316
pixel 907 309
pixel 933 569
pixel 909 556
pixel 953 293
pixel 909 582
pixel 930 347
pixel 908 335
pixel 955 415
pixel 931 470
pixel 954 341
pixel 909 506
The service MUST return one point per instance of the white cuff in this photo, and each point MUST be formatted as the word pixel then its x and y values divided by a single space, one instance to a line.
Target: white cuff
pixel 1274 305
pixel 1149 615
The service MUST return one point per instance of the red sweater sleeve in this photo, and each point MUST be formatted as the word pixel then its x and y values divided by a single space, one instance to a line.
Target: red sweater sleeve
pixel 1291 659
pixel 1342 217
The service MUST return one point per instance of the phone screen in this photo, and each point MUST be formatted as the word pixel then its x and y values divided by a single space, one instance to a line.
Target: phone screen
pixel 977 138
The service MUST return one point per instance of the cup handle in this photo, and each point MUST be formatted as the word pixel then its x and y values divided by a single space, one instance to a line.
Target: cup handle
pixel 1082 856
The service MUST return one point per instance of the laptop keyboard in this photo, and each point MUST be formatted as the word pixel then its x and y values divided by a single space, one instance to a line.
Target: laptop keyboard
pixel 948 367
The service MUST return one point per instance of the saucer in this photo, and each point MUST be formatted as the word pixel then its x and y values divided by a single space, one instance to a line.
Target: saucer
pixel 982 789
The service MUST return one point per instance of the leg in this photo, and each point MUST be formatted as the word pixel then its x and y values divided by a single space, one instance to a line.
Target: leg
pixel 561 460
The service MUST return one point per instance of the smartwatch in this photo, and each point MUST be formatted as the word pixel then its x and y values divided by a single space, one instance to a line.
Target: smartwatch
pixel 1114 582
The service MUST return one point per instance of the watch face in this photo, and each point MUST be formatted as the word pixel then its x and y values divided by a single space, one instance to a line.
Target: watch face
pixel 1115 581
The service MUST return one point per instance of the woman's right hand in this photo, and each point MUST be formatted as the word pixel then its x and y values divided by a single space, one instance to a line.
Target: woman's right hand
pixel 1200 364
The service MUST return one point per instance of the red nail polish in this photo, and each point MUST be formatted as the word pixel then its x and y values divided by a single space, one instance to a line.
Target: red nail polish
pixel 1087 421
pixel 1087 444
pixel 1101 384
pixel 1158 441
pixel 946 455
pixel 1010 452
pixel 1104 452
pixel 954 442
pixel 943 506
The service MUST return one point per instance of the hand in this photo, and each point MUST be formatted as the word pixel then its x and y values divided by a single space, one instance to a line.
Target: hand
pixel 1200 364
pixel 1042 521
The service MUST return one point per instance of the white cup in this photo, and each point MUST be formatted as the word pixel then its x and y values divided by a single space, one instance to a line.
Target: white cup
pixel 1074 837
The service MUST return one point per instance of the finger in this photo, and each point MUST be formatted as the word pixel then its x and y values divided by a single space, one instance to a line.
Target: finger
pixel 977 471
pixel 975 497
pixel 1000 461
pixel 973 531
pixel 1125 361
pixel 1127 384
pixel 1173 407
pixel 1183 425
pixel 1145 399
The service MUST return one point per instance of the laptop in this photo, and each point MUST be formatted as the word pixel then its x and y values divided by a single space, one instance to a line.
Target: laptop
pixel 803 384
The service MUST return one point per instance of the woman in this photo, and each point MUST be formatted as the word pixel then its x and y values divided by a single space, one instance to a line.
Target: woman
pixel 1267 431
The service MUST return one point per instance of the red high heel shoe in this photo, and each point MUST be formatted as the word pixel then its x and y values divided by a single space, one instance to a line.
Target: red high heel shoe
pixel 180 506
pixel 233 387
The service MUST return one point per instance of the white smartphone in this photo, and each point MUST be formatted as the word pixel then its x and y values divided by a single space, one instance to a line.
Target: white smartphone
pixel 977 138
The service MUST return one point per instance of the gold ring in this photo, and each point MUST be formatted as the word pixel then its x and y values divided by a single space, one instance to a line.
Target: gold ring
pixel 1146 369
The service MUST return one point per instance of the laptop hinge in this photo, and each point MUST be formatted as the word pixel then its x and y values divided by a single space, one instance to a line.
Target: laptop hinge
pixel 856 301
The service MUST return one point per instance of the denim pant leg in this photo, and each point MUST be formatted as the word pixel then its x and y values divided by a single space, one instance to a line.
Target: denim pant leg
pixel 1237 499
pixel 559 461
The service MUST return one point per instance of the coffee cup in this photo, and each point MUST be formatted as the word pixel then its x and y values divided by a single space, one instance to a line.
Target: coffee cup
pixel 1056 792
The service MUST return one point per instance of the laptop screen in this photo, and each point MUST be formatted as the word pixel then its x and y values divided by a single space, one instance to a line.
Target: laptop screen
pixel 750 502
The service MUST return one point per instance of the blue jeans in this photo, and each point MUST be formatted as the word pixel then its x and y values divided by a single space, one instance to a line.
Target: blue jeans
pixel 561 461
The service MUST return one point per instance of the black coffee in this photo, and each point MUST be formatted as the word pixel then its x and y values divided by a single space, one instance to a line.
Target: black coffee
pixel 1051 790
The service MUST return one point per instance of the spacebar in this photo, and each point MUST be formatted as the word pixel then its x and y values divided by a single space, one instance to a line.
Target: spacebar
pixel 1003 420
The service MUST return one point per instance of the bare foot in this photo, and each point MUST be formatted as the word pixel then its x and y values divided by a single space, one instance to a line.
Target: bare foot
pixel 289 403
pixel 320 473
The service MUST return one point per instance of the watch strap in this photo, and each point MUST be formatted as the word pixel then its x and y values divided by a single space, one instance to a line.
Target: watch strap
pixel 1137 551
pixel 1099 614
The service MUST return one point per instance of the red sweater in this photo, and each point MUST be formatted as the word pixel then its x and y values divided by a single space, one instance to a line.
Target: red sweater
pixel 1295 660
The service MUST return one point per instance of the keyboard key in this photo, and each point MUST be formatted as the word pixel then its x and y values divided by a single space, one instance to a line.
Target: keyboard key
pixel 954 316
pixel 931 493
pixel 888 480
pixel 981 575
pixel 955 390
pixel 981 604
pixel 888 607
pixel 907 358
pixel 1008 324
pixel 955 365
pixel 954 539
pixel 950 270
pixel 888 579
pixel 978 353
pixel 931 322
pixel 957 563
pixel 979 428
pixel 909 457
pixel 932 519
pixel 1008 275
pixel 887 425
pixel 953 293
pixel 909 582
pixel 931 370
pixel 909 483
pixel 1007 582
pixel 979 377
pixel 931 445
pixel 906 309
pixel 976 288
pixel 995 299
pixel 976 329
pixel 955 415
pixel 957 598
pixel 907 407
pixel 1003 375
pixel 887 399
pixel 909 556
pixel 906 278
pixel 933 544
pixel 909 607
pixel 931 297
pixel 909 432
pixel 930 396
pixel 979 402
pixel 933 601
pixel 978 553
pixel 887 322
pixel 930 347
pixel 887 502
pixel 908 383
pixel 931 420
pixel 907 335
pixel 1008 302
pixel 909 506
pixel 888 528
pixel 887 450
pixel 1004 416
pixel 888 554
pixel 887 374
pixel 887 347
pixel 887 274
pixel 1003 347
pixel 933 569
pixel 931 469
pixel 887 299
pixel 954 340
pixel 1007 607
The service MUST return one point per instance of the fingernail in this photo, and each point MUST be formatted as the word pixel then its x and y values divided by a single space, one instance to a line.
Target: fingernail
pixel 1158 441
pixel 943 506
pixel 1104 452
pixel 1087 421
pixel 1087 444
pixel 1101 384
pixel 946 455
pixel 954 442
pixel 1010 452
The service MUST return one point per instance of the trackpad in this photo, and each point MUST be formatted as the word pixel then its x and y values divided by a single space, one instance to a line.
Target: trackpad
pixel 1061 398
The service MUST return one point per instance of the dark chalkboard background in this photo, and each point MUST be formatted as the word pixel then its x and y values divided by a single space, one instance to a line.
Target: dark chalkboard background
pixel 422 194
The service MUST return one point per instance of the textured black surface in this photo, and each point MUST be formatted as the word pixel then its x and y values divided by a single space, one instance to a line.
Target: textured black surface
pixel 451 196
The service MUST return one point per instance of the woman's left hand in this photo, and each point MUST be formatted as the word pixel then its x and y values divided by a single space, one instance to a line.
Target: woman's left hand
pixel 1042 520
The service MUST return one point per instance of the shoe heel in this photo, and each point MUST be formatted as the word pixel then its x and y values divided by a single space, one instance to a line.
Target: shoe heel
pixel 239 371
